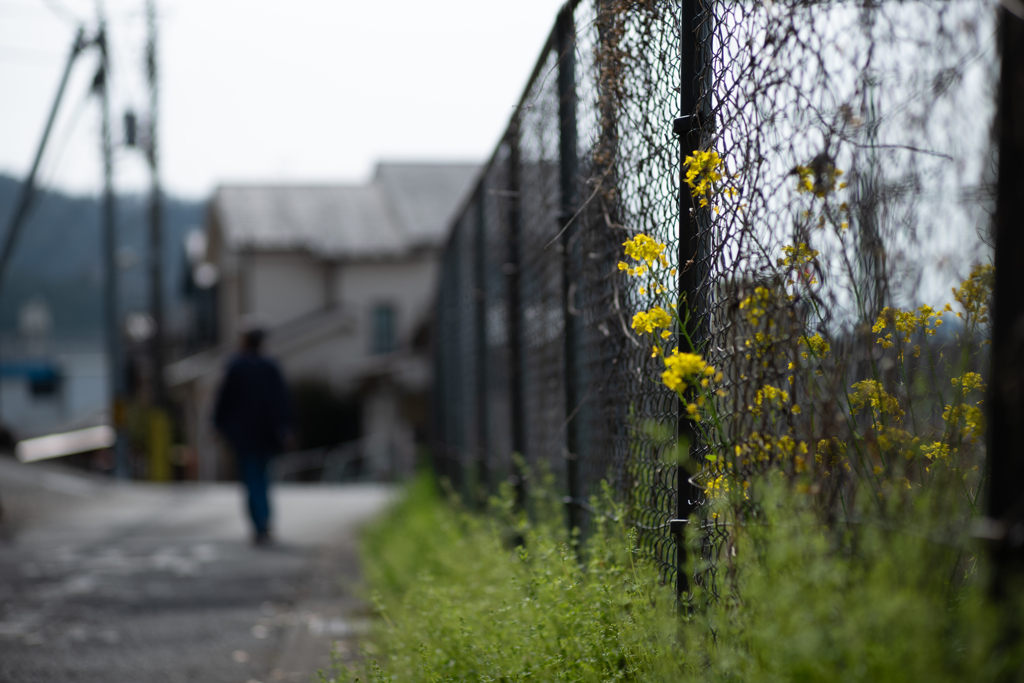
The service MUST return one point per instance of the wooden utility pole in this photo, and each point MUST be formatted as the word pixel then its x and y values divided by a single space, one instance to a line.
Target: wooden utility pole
pixel 155 215
pixel 101 85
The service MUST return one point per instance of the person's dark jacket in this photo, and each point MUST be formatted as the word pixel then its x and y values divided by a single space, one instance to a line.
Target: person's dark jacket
pixel 253 409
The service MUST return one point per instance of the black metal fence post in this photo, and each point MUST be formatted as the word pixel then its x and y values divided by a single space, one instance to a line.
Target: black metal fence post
pixel 568 176
pixel 515 312
pixel 694 88
pixel 480 403
pixel 1005 461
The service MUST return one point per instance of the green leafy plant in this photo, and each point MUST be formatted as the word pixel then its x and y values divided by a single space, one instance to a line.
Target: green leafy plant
pixel 459 600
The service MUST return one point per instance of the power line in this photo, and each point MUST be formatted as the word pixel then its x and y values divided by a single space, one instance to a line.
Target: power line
pixel 51 164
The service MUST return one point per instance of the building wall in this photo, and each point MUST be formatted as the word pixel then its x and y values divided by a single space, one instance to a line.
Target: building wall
pixel 285 286
pixel 408 285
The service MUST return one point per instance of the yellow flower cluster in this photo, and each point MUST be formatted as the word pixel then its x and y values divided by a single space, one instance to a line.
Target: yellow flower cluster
pixel 973 421
pixel 936 451
pixel 831 452
pixel 761 448
pixel 755 306
pixel 869 393
pixel 816 345
pixel 768 397
pixel 633 271
pixel 788 446
pixel 820 183
pixel 650 321
pixel 646 251
pixel 969 381
pixel 721 481
pixel 798 256
pixel 925 319
pixel 683 370
pixel 761 344
pixel 717 486
pixel 644 248
pixel 974 292
pixel 702 170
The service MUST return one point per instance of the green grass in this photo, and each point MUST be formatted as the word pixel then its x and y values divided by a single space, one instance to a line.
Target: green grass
pixel 460 601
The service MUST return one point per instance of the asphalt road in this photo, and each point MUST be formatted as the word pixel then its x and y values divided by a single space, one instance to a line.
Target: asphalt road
pixel 140 583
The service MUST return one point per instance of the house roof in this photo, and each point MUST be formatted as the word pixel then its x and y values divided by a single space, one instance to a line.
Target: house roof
pixel 404 206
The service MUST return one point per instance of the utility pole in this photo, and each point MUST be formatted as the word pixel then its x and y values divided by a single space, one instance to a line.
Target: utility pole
pixel 155 216
pixel 158 424
pixel 117 379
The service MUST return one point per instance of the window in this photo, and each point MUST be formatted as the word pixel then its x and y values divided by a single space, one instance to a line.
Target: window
pixel 383 328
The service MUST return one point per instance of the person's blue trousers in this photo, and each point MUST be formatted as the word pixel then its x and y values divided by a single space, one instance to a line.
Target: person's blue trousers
pixel 252 468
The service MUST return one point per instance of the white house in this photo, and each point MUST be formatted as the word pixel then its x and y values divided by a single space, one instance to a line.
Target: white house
pixel 343 276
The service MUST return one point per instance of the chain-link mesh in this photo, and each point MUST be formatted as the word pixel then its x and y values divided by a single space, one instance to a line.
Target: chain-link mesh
pixel 853 140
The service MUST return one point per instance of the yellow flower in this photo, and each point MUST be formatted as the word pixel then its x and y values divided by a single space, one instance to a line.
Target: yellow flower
pixel 974 292
pixel 683 370
pixel 869 393
pixel 973 420
pixel 717 486
pixel 819 180
pixel 798 256
pixel 772 396
pixel 969 381
pixel 936 451
pixel 816 344
pixel 644 248
pixel 649 321
pixel 925 319
pixel 702 169
pixel 755 306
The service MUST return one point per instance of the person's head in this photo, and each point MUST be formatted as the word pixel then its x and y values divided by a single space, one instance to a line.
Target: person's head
pixel 252 332
pixel 252 340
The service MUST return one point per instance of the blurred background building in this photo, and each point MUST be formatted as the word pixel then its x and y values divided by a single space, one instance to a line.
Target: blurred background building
pixel 343 279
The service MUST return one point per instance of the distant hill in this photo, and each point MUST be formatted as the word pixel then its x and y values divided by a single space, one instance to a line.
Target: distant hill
pixel 58 256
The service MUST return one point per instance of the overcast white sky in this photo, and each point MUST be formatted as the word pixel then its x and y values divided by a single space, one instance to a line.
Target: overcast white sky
pixel 268 90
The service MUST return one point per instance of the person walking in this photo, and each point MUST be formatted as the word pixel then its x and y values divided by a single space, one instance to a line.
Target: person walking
pixel 254 414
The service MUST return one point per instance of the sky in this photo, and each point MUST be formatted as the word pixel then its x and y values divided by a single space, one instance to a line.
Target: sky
pixel 268 91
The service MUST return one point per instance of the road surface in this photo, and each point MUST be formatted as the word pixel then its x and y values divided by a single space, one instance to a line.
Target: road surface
pixel 140 583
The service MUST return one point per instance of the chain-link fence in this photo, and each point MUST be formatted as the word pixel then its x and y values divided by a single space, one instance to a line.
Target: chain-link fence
pixel 852 164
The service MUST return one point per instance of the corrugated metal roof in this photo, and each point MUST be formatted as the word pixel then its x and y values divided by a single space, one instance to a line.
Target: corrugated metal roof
pixel 403 207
